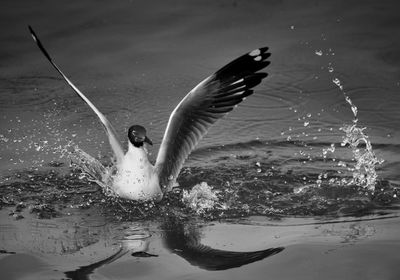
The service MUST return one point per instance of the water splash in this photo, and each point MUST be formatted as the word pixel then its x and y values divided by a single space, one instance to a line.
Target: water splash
pixel 353 107
pixel 331 149
pixel 364 173
pixel 92 169
pixel 364 170
pixel 200 198
pixel 361 169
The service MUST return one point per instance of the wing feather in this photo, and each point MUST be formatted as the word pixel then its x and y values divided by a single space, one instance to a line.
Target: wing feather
pixel 210 100
pixel 112 136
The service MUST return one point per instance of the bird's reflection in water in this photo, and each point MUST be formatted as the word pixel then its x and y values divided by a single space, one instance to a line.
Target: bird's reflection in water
pixel 183 239
pixel 185 242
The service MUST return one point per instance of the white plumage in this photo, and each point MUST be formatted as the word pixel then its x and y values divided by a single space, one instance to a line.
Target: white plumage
pixel 136 177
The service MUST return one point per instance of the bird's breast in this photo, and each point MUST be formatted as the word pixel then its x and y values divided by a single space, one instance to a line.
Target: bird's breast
pixel 136 177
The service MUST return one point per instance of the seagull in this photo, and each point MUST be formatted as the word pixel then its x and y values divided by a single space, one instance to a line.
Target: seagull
pixel 137 178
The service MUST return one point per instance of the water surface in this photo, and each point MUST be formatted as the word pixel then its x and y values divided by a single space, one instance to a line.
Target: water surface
pixel 271 160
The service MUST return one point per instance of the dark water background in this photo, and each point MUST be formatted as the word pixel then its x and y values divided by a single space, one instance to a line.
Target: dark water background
pixel 135 60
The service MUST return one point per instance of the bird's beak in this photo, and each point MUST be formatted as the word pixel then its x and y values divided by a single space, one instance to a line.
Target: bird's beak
pixel 148 141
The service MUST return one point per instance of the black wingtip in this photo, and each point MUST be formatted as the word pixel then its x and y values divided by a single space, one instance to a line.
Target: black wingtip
pixel 33 34
pixel 37 41
pixel 250 62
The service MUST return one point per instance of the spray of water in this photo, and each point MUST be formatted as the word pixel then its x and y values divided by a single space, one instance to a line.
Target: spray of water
pixel 200 198
pixel 364 172
pixel 362 168
pixel 365 161
pixel 92 169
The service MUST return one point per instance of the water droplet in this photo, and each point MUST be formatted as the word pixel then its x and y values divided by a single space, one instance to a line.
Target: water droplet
pixel 336 81
pixel 318 52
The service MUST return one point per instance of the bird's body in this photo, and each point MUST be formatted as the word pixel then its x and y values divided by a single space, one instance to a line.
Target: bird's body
pixel 210 100
pixel 136 177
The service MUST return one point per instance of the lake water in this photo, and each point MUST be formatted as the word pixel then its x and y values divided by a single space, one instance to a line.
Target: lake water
pixel 289 193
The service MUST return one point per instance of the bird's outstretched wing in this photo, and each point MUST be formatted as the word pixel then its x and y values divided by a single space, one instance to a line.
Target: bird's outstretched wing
pixel 204 105
pixel 112 136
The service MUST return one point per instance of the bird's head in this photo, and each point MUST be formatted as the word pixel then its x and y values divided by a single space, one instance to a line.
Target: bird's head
pixel 137 136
